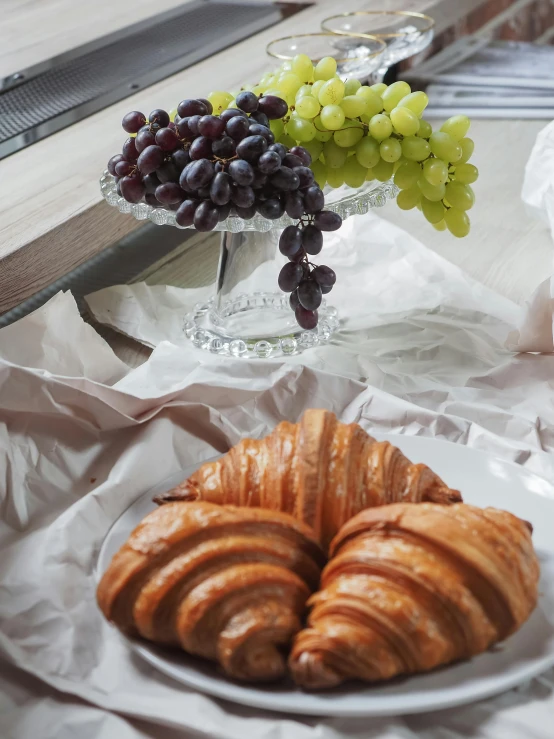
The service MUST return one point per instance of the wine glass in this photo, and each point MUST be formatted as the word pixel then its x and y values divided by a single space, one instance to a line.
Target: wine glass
pixel 357 55
pixel 405 33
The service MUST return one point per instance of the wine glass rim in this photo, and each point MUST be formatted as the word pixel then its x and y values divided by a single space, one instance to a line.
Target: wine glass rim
pixel 364 36
pixel 408 13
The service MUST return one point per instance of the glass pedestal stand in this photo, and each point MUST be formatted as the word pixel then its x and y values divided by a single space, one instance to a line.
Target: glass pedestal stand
pixel 249 316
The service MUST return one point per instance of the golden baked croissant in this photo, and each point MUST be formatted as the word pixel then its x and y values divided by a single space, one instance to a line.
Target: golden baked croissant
pixel 228 584
pixel 320 470
pixel 411 587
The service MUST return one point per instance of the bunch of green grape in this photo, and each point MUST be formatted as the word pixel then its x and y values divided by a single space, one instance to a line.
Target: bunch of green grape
pixel 356 133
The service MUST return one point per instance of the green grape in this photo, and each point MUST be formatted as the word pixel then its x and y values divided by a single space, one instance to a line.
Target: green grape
pixel 172 114
pixel 425 129
pixel 466 173
pixel 407 175
pixel 457 126
pixel 303 91
pixel 301 129
pixel 272 91
pixel 302 66
pixel 390 150
pixel 286 66
pixel 467 150
pixel 382 171
pixel 380 127
pixel 316 87
pixel 394 94
pixel 277 127
pixel 307 107
pixel 431 192
pixel 435 171
pixel 321 132
pixel 258 90
pixel 373 103
pixel 440 226
pixel 287 141
pixel 352 86
pixel 432 210
pixel 233 103
pixel 353 106
pixel 354 173
pixel 405 121
pixel 415 149
pixel 398 162
pixel 445 147
pixel 266 80
pixel 314 148
pixel 409 198
pixel 349 135
pixel 379 88
pixel 331 92
pixel 460 196
pixel 335 177
pixel 457 222
pixel 367 152
pixel 332 117
pixel 325 69
pixel 335 156
pixel 289 84
pixel 415 101
pixel 320 172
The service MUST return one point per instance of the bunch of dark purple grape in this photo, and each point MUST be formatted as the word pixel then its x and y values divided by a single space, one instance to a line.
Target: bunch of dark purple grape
pixel 202 166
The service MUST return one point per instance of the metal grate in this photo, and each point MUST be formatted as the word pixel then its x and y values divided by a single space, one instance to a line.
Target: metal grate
pixel 90 81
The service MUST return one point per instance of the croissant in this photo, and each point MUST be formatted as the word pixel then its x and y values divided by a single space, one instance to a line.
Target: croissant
pixel 227 584
pixel 320 470
pixel 411 587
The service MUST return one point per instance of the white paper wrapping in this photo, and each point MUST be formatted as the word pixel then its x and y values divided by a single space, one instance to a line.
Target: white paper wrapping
pixel 82 437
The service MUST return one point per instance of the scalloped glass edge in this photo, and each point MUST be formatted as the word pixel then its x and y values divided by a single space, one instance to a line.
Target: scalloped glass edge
pixel 345 201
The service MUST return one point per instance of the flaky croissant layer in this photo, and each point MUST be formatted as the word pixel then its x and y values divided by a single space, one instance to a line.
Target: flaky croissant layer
pixel 409 588
pixel 319 470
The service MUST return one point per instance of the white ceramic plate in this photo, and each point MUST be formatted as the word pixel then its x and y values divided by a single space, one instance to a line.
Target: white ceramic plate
pixel 483 481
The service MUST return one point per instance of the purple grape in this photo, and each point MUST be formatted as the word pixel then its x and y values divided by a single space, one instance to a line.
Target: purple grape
pixel 314 200
pixel 201 148
pixel 172 125
pixel 151 199
pixel 150 159
pixel 306 318
pixel 180 159
pixel 290 276
pixel 237 128
pixel 118 187
pixel 272 208
pixel 241 172
pixel 280 149
pixel 326 289
pixel 291 161
pixel 229 113
pixel 255 129
pixel 113 161
pixel 223 211
pixel 185 214
pixel 123 168
pixel 306 177
pixel 211 126
pixel 273 107
pixel 204 193
pixel 191 107
pixel 246 213
pixel 243 196
pixel 206 216
pixel 247 101
pixel 193 122
pixel 303 154
pixel 133 121
pixel 168 172
pixel 183 184
pixel 129 150
pixel 260 118
pixel 151 182
pixel 312 240
pixel 199 173
pixel 219 167
pixel 294 205
pixel 185 130
pixel 169 192
pixel 144 138
pixel 259 178
pixel 293 300
pixel 290 241
pixel 269 162
pixel 326 220
pixel 324 276
pixel 224 148
pixel 309 294
pixel 166 139
pixel 132 189
pixel 285 179
pixel 160 117
pixel 209 106
pixel 174 206
pixel 220 189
